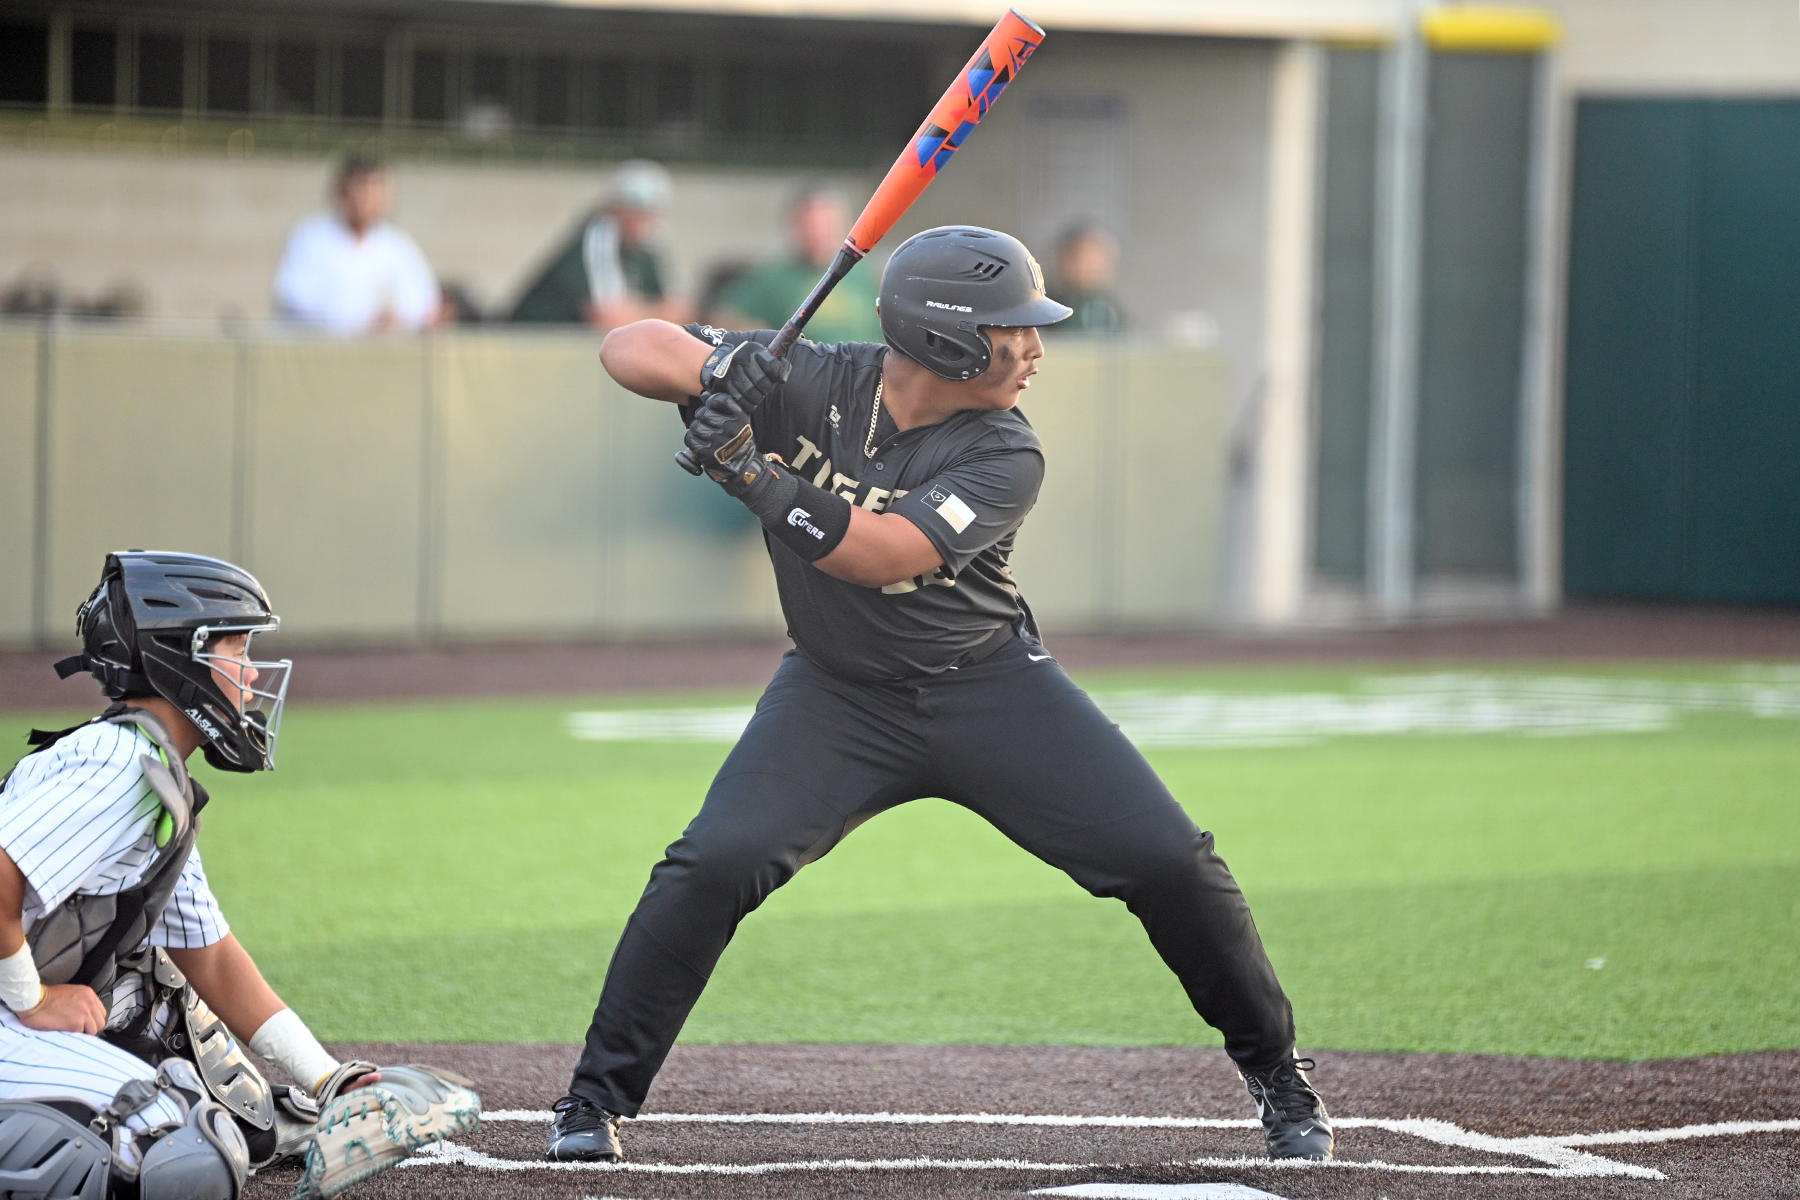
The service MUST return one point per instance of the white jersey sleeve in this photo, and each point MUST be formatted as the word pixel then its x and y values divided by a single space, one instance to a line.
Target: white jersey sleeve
pixel 192 918
pixel 80 816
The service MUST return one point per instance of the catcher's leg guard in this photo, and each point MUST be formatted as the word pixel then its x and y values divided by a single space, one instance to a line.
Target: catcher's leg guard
pixel 201 1157
pixel 154 1012
pixel 296 1121
pixel 205 1159
pixel 45 1155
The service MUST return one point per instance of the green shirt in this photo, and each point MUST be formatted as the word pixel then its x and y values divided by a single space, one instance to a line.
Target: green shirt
pixel 769 295
pixel 560 294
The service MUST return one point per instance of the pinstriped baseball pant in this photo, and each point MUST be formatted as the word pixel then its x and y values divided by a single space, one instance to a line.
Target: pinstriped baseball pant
pixel 35 1065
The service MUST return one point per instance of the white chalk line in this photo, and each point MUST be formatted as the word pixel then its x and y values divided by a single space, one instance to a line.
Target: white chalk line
pixel 889 1118
pixel 451 1154
pixel 1558 1154
pixel 1642 1137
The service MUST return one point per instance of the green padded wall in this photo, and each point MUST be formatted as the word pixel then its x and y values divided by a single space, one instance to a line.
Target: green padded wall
pixel 1682 431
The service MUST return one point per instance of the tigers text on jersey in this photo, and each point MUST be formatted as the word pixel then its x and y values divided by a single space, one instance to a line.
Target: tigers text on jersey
pixel 966 482
pixel 80 818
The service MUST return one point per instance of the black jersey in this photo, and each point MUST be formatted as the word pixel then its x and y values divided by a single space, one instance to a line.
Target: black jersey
pixel 967 482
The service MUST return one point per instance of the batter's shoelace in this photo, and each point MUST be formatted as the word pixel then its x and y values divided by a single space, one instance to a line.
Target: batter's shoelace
pixel 1287 1089
pixel 574 1114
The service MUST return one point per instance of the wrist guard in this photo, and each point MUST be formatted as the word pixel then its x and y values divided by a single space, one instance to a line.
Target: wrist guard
pixel 802 516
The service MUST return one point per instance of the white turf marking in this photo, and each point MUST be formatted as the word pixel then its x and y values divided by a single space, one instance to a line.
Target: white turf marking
pixel 1446 703
pixel 887 1118
pixel 1159 1191
pixel 1640 1137
pixel 1558 1154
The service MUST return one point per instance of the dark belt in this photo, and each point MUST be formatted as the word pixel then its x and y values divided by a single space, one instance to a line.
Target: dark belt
pixel 988 646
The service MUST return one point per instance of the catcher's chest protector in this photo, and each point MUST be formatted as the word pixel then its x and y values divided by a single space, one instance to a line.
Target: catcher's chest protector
pixel 82 940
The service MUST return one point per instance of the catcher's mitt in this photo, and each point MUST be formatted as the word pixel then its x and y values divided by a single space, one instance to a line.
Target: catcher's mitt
pixel 339 1081
pixel 365 1131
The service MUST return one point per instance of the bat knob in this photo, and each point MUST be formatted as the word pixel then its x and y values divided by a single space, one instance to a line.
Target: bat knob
pixel 687 462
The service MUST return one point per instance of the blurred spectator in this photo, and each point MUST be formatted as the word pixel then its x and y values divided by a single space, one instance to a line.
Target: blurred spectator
pixel 351 272
pixel 768 296
pixel 34 293
pixel 721 277
pixel 614 271
pixel 124 300
pixel 1087 264
pixel 459 307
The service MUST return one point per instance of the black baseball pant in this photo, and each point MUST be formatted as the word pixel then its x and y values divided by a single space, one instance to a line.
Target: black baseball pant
pixel 1010 738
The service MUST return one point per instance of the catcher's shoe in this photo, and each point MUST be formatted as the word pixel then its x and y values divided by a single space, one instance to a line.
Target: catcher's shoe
pixel 296 1121
pixel 583 1132
pixel 366 1131
pixel 1294 1120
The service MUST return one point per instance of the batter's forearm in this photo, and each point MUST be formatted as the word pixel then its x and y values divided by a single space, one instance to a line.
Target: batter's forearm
pixel 654 359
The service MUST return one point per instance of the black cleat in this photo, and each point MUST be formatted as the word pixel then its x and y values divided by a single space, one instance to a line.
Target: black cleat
pixel 583 1132
pixel 1294 1120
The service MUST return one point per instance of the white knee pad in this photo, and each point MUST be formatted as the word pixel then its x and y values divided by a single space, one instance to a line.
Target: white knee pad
pixel 46 1155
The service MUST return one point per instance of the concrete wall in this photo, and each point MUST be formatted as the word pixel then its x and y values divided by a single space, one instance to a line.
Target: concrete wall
pixel 480 486
pixel 1695 47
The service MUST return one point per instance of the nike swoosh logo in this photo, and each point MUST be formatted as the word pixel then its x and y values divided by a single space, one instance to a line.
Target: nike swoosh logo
pixel 1037 657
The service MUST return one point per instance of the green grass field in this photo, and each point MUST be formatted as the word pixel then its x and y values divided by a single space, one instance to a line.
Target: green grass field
pixel 459 871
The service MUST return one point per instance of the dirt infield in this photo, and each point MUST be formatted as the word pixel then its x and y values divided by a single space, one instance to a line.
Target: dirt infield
pixel 394 673
pixel 1484 1127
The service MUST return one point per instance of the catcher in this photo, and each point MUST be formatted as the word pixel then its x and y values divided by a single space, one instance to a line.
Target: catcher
pixel 124 997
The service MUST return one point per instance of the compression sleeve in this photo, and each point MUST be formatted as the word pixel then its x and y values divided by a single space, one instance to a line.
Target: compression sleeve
pixel 805 518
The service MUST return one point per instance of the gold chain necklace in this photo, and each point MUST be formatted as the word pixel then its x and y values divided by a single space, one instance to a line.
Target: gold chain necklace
pixel 874 415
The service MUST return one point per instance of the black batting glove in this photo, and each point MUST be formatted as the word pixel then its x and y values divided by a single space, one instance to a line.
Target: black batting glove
pixel 805 518
pixel 746 372
pixel 720 438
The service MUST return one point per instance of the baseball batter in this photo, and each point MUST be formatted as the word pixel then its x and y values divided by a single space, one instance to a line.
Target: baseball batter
pixel 891 481
pixel 121 984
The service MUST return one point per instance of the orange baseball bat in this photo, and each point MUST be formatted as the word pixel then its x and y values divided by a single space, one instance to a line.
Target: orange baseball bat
pixel 995 64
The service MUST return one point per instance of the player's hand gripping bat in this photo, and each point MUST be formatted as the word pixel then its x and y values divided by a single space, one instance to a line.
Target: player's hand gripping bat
pixel 1002 55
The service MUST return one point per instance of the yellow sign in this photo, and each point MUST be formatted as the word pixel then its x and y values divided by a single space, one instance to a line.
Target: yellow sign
pixel 1489 28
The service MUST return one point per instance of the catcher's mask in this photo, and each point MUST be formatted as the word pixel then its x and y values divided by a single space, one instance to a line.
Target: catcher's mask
pixel 159 624
pixel 943 285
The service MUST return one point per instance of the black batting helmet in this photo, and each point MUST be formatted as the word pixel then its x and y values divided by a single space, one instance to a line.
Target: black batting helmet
pixel 942 285
pixel 149 630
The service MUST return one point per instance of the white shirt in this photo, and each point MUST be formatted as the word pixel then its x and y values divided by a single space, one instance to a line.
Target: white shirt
pixel 80 818
pixel 334 281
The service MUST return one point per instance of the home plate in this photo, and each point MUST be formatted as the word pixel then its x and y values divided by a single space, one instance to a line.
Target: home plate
pixel 1159 1191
